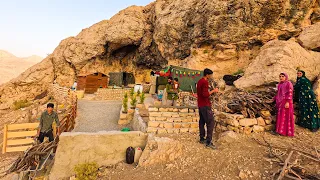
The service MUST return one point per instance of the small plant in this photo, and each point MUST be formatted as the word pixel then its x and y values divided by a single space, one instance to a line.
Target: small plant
pixel 205 51
pixel 126 95
pixel 125 104
pixel 240 71
pixel 86 171
pixel 133 102
pixel 142 98
pixel 131 93
pixel 20 104
pixel 138 92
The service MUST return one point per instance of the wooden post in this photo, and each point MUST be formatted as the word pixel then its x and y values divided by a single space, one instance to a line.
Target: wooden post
pixel 5 132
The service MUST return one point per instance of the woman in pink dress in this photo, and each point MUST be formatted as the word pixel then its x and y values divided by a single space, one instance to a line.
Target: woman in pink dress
pixel 284 105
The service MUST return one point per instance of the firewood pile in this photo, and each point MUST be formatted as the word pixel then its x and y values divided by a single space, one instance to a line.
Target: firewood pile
pixel 292 166
pixel 249 104
pixel 32 158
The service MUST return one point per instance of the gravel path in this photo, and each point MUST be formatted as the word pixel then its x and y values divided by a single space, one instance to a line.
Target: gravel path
pixel 94 116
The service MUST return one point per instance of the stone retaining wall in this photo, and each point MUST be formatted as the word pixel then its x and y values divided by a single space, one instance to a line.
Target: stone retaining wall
pixel 62 95
pixel 111 94
pixel 173 120
pixel 239 124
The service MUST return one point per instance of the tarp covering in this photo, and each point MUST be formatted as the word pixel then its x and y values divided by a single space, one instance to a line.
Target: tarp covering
pixel 187 77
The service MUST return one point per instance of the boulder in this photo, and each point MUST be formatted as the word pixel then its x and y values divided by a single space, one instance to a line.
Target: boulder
pixel 276 57
pixel 228 137
pixel 257 128
pixel 248 122
pixel 261 121
pixel 316 89
pixel 160 150
pixel 310 37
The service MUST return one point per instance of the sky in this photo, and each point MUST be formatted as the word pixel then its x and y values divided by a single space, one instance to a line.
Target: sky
pixel 36 27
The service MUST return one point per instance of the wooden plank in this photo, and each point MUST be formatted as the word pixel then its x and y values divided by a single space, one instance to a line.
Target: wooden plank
pixel 20 141
pixel 18 149
pixel 5 131
pixel 22 126
pixel 21 134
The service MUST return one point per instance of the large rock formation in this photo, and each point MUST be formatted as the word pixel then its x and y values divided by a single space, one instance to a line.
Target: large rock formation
pixel 276 57
pixel 224 35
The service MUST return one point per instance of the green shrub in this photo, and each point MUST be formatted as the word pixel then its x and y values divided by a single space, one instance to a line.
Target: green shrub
pixel 86 171
pixel 131 93
pixel 133 101
pixel 126 95
pixel 205 51
pixel 142 98
pixel 194 52
pixel 240 71
pixel 138 92
pixel 20 104
pixel 125 104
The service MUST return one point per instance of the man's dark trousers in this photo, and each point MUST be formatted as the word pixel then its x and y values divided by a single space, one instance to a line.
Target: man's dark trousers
pixel 206 118
pixel 46 134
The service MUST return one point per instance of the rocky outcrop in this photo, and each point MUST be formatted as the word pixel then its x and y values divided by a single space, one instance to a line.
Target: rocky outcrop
pixel 224 35
pixel 316 88
pixel 310 37
pixel 276 57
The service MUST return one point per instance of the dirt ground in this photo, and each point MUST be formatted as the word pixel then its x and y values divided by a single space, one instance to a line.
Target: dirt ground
pixel 244 155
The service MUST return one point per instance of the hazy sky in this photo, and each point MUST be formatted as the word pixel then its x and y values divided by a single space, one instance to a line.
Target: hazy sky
pixel 36 27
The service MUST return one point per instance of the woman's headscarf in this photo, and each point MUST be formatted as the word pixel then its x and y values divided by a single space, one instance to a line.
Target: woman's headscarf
pixel 284 88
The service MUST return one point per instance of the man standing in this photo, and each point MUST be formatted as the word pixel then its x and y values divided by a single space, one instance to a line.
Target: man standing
pixel 46 120
pixel 205 111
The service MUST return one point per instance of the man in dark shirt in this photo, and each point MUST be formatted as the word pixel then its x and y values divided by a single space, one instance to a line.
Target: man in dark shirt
pixel 45 126
pixel 205 111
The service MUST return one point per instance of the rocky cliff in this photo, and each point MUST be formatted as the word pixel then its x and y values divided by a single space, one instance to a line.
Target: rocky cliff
pixel 224 35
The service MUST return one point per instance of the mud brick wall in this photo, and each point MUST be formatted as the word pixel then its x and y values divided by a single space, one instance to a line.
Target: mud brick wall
pixel 164 120
pixel 111 94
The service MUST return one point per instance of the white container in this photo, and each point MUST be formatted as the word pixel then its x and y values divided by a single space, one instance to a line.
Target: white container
pixel 138 87
pixel 137 154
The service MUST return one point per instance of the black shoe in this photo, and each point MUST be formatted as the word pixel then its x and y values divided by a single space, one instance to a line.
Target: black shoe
pixel 202 141
pixel 211 145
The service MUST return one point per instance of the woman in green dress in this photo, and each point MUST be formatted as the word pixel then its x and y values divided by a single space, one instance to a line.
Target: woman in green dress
pixel 308 108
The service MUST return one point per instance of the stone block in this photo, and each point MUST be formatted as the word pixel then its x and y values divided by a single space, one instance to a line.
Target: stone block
pixel 177 125
pixel 196 111
pixel 183 114
pixel 170 130
pixel 155 114
pixel 261 121
pixel 162 131
pixel 194 125
pixel 248 122
pixel 188 119
pixel 161 118
pixel 184 110
pixel 195 119
pixel 184 130
pixel 230 128
pixel 123 122
pixel 257 128
pixel 123 116
pixel 152 118
pixel 269 127
pixel 193 130
pixel 175 115
pixel 151 130
pixel 167 114
pixel 174 119
pixel 185 125
pixel 233 122
pixel 170 109
pixel 153 124
pixel 268 121
pixel 247 130
pixel 176 131
pixel 265 113
pixel 191 110
pixel 168 125
pixel 163 109
pixel 175 110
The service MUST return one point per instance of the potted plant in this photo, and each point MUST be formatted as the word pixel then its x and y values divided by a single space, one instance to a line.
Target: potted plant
pixel 131 93
pixel 142 98
pixel 133 102
pixel 125 105
pixel 138 92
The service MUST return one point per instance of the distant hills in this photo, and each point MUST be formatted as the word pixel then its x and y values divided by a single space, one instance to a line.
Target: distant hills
pixel 11 66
